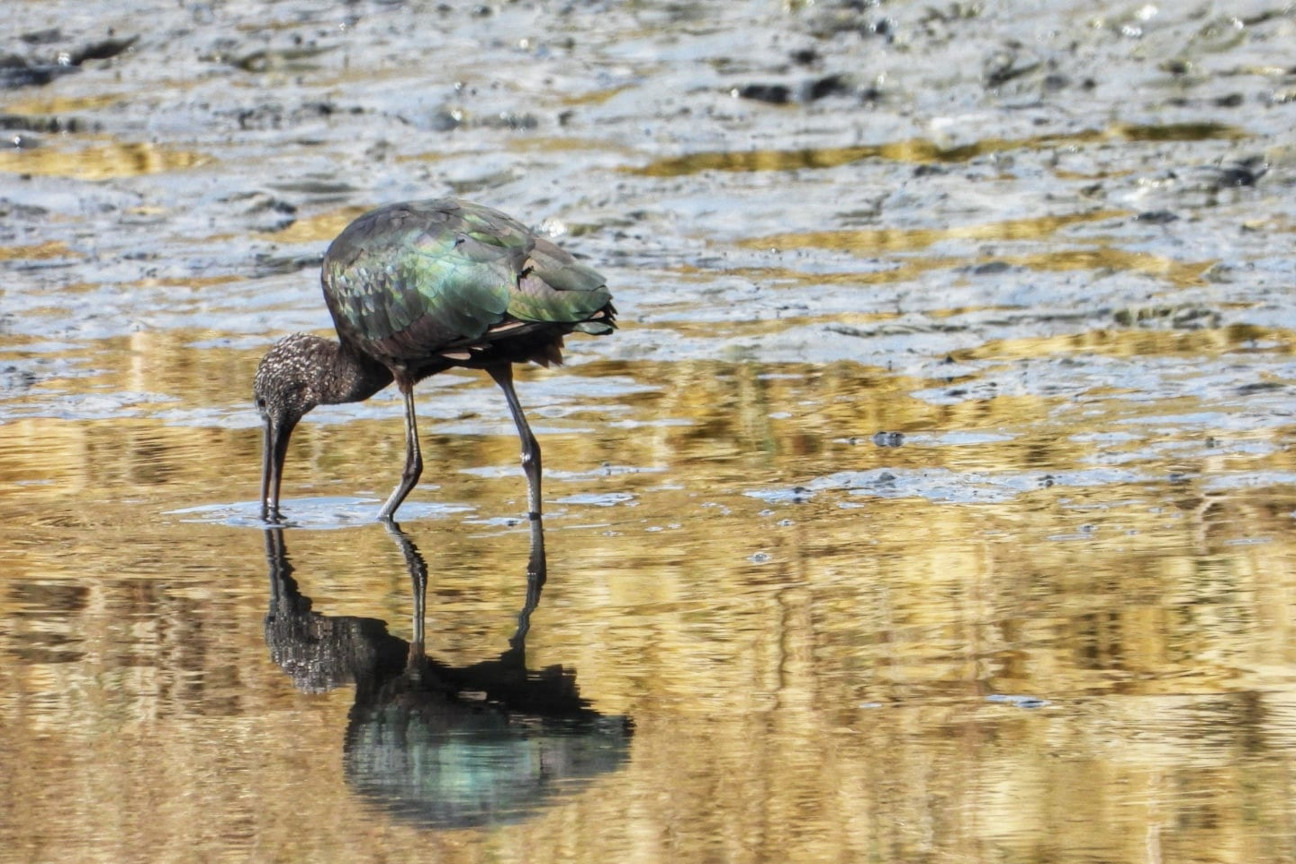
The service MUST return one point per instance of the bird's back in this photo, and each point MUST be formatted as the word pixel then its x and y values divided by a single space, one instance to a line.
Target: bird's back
pixel 428 284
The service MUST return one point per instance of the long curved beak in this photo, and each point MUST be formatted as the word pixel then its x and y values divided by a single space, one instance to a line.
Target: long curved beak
pixel 274 448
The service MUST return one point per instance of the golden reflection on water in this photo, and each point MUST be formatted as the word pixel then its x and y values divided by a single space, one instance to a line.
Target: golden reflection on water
pixel 1150 343
pixel 920 151
pixel 40 252
pixel 594 97
pixel 118 159
pixel 63 104
pixel 1173 271
pixel 809 680
pixel 881 240
pixel 319 228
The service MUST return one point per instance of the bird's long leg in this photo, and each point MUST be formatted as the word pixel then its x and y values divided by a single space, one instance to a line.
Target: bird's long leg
pixel 503 375
pixel 413 456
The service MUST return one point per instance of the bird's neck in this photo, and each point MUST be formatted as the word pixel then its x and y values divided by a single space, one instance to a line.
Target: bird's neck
pixel 348 376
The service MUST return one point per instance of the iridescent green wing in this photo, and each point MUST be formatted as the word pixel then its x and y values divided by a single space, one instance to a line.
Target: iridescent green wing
pixel 555 287
pixel 408 280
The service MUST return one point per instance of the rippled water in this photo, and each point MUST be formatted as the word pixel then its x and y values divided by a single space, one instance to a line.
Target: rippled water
pixel 934 502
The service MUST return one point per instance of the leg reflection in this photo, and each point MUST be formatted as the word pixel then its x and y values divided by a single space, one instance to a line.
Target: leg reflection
pixel 537 573
pixel 418 582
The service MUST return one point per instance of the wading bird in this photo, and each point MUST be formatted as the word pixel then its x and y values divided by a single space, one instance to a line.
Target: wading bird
pixel 415 289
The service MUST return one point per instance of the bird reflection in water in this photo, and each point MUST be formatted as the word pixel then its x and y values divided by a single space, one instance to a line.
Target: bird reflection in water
pixel 440 745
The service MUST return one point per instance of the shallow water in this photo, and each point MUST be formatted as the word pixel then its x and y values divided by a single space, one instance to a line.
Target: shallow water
pixel 934 502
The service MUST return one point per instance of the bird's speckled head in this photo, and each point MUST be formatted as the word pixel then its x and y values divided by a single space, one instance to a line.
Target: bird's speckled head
pixel 285 389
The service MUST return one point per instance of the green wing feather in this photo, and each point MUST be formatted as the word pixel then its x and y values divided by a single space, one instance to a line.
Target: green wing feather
pixel 556 287
pixel 409 280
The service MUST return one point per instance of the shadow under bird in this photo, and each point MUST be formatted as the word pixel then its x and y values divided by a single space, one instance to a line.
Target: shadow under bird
pixel 415 289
